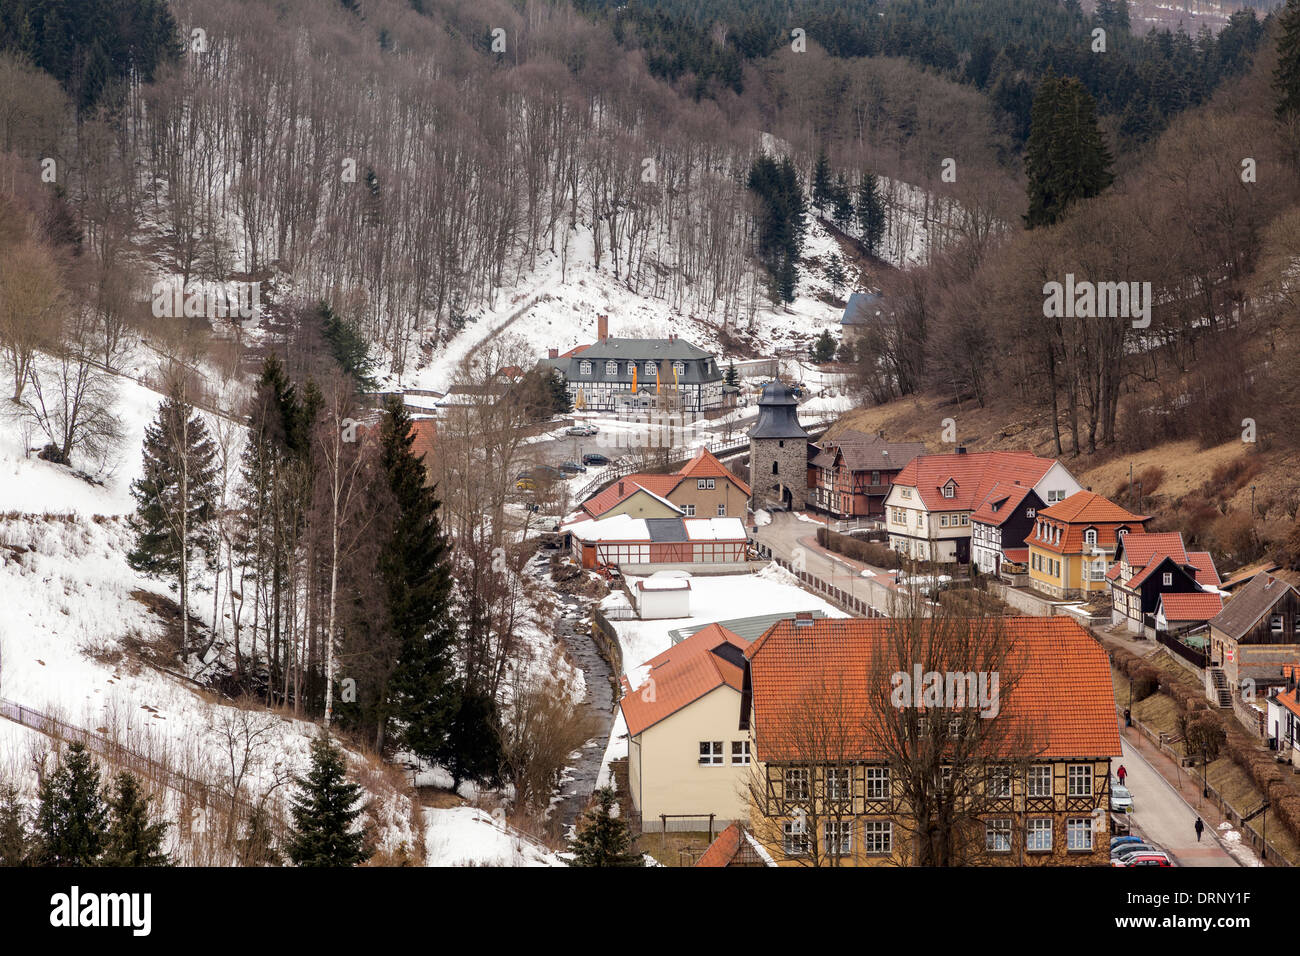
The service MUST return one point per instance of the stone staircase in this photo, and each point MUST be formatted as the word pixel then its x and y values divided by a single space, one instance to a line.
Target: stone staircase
pixel 1219 687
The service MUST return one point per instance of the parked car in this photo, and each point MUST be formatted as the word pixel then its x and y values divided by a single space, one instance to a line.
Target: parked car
pixel 549 472
pixel 1148 859
pixel 594 459
pixel 525 483
pixel 572 468
pixel 1121 801
pixel 1117 841
pixel 582 431
pixel 1127 850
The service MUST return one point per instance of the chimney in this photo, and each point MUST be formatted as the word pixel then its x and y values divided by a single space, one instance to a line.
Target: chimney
pixel 803 619
pixel 961 449
pixel 602 327
pixel 620 489
pixel 552 353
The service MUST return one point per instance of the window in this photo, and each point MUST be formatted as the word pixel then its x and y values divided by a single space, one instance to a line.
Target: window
pixel 906 492
pixel 1078 833
pixel 740 753
pixel 794 838
pixel 679 369
pixel 699 484
pixel 650 369
pixel 954 727
pixel 774 469
pixel 945 779
pixel 878 837
pixel 710 753
pixel 690 511
pixel 943 521
pixel 1090 538
pixel 1168 578
pixel 1038 782
pixel 796 783
pixel 1121 532
pixel 1056 494
pixel 839 838
pixel 711 483
pixel 997 782
pixel 877 783
pixel 1030 512
pixel 875 477
pixel 1038 835
pixel 584 368
pixel 997 835
pixel 1275 623
pixel 948 490
pixel 611 368
pixel 722 511
pixel 631 368
pixel 1079 779
pixel 837 783
pixel 965 520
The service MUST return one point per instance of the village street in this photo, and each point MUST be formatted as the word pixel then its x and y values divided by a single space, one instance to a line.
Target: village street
pixel 795 540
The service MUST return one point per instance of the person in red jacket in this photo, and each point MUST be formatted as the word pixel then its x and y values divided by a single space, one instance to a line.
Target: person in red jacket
pixel 1121 773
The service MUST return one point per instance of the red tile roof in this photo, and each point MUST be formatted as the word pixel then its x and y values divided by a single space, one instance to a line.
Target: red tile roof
pixel 1061 698
pixel 679 676
pixel 1006 497
pixel 703 465
pixel 424 432
pixel 1199 606
pixel 973 475
pixel 625 488
pixel 724 849
pixel 706 465
pixel 1079 512
pixel 1206 574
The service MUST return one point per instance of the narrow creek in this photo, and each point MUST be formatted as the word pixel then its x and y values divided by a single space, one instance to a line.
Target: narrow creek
pixel 573 629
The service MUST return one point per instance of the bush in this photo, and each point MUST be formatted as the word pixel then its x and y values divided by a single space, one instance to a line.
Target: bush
pixel 1146 680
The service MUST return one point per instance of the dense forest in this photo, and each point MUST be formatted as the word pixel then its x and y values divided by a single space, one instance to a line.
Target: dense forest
pixel 1000 47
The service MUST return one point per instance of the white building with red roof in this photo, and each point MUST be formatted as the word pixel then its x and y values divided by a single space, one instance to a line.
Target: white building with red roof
pixel 928 510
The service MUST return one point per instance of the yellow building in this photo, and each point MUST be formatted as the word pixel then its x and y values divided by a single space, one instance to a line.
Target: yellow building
pixel 1029 778
pixel 1072 544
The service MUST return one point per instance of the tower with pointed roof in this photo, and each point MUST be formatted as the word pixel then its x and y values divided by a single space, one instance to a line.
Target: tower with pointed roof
pixel 778 451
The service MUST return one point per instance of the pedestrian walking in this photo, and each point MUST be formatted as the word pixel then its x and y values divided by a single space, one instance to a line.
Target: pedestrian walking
pixel 1200 828
pixel 1121 773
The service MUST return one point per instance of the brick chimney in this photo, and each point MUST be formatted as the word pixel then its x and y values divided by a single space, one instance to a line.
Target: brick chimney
pixel 620 489
pixel 602 327
pixel 552 353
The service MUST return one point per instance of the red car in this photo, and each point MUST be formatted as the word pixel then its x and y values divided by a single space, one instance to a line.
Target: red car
pixel 1148 859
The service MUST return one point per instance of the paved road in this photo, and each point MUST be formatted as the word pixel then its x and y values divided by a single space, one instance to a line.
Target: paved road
pixel 1161 814
pixel 794 539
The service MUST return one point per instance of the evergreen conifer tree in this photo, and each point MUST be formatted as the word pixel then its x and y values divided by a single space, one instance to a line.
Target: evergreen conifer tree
pixel 416 577
pixel 15 838
pixel 1286 76
pixel 821 181
pixel 603 838
pixel 870 209
pixel 1066 158
pixel 842 197
pixel 472 749
pixel 324 809
pixel 71 820
pixel 132 838
pixel 175 498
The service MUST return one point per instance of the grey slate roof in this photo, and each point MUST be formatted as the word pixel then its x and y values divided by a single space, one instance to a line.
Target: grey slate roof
pixel 664 352
pixel 666 530
pixel 778 415
pixel 746 628
pixel 863 308
pixel 1248 605
pixel 865 452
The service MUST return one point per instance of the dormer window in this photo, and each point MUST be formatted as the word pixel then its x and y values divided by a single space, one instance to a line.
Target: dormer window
pixel 584 368
pixel 679 369
pixel 611 368
pixel 949 490
pixel 1090 537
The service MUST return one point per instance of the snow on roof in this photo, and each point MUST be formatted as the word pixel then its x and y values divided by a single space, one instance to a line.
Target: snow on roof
pixel 714 529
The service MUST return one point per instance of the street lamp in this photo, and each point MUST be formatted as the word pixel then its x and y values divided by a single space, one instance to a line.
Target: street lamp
pixel 1205 787
pixel 1128 711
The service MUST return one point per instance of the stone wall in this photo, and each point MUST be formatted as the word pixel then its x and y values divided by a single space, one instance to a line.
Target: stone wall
pixel 791 458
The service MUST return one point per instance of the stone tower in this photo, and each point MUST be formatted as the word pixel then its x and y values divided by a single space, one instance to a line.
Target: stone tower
pixel 778 451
